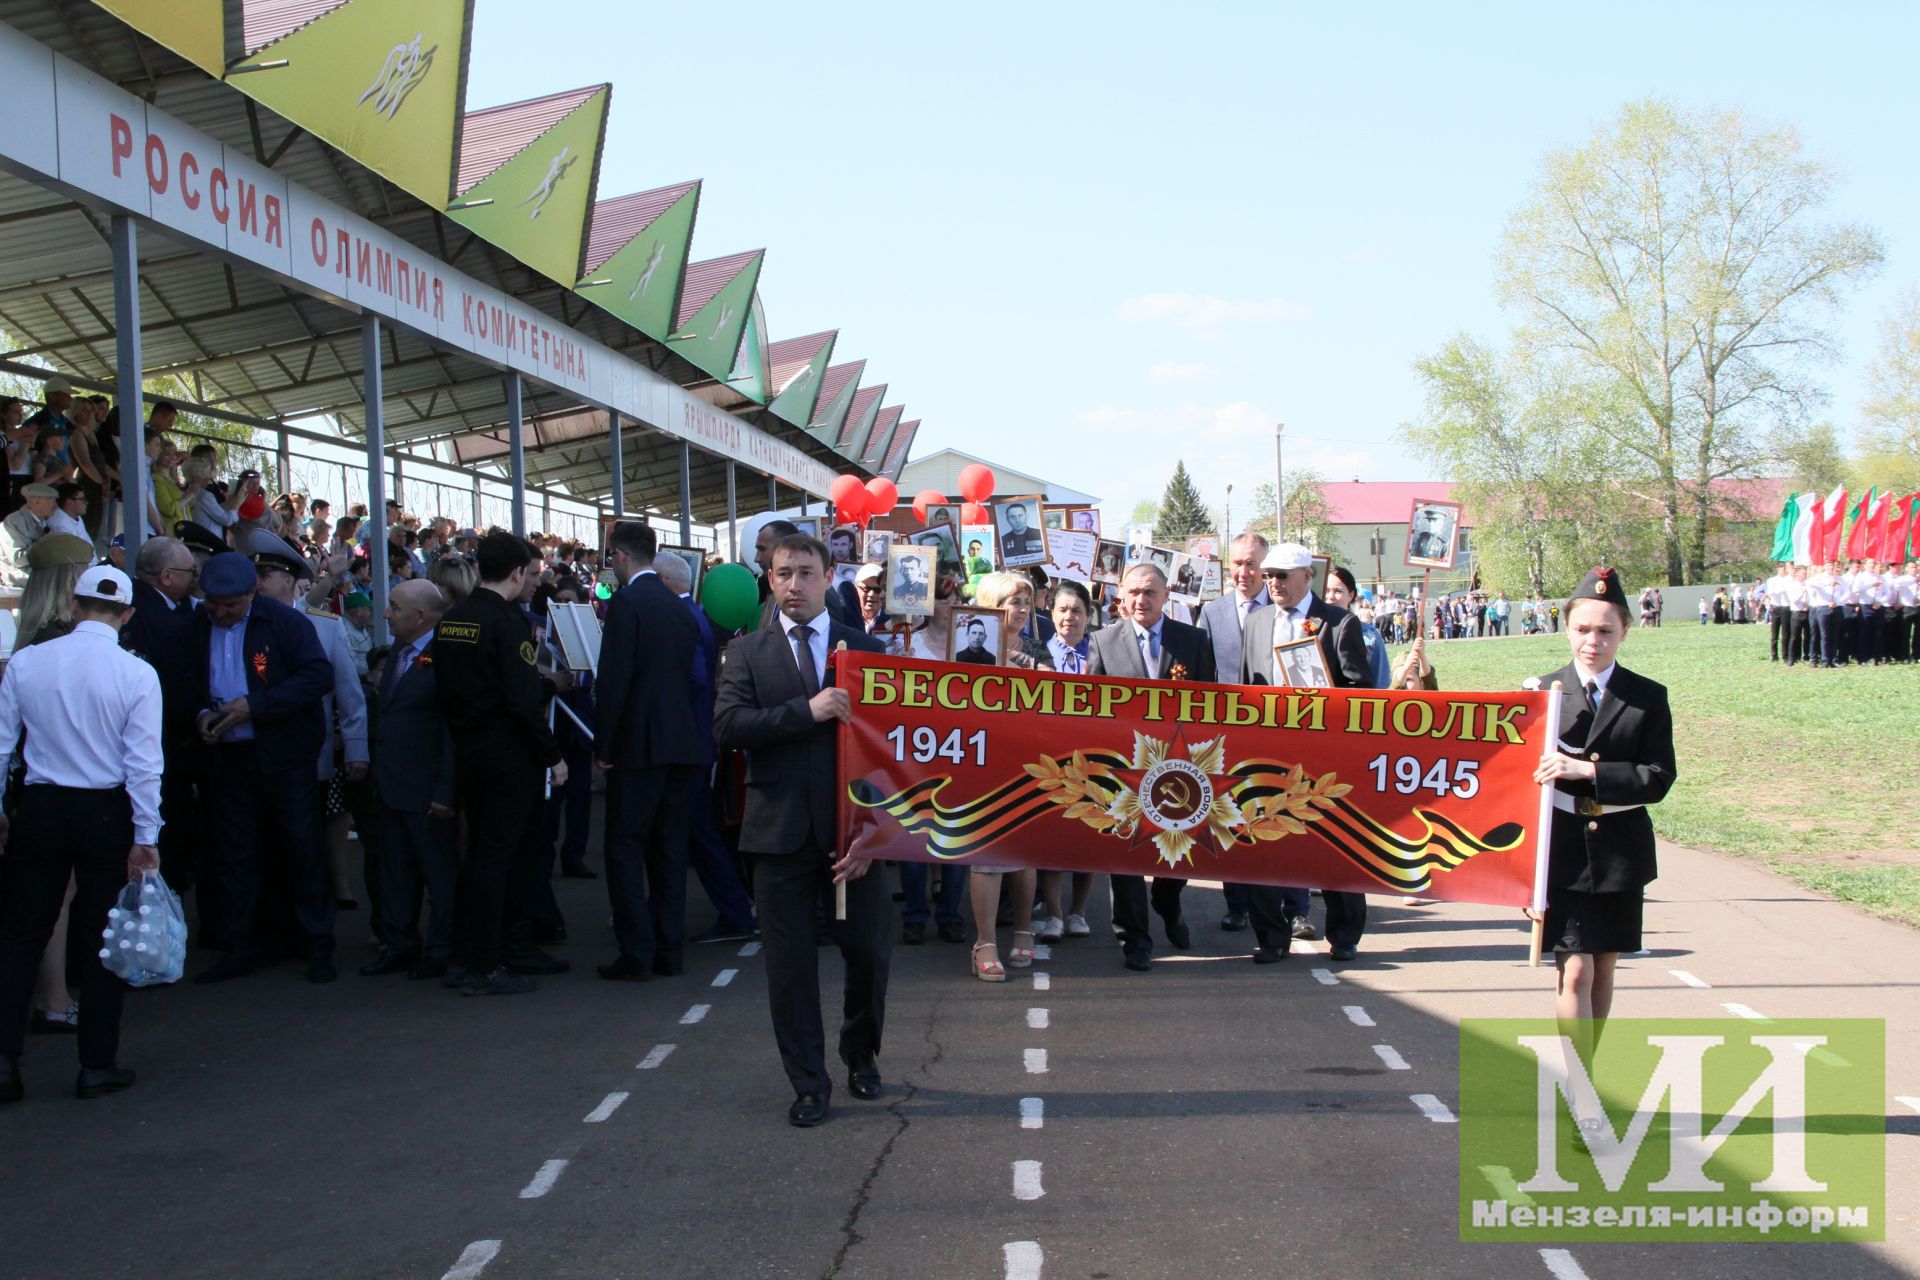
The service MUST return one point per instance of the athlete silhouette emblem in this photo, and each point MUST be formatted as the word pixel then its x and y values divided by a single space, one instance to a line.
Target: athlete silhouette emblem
pixel 556 170
pixel 406 66
pixel 646 275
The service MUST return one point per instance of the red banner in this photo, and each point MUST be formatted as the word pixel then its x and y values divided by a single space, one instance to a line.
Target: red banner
pixel 1411 793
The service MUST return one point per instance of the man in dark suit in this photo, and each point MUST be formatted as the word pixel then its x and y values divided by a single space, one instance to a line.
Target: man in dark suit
pixel 261 677
pixel 646 740
pixel 775 703
pixel 1224 619
pixel 414 781
pixel 1145 644
pixel 160 631
pixel 1297 614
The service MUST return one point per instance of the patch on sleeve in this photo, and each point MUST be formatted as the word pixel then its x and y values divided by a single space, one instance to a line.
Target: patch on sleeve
pixel 458 632
pixel 527 652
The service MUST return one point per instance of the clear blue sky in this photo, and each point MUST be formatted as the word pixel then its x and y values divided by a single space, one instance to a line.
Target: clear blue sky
pixel 1083 240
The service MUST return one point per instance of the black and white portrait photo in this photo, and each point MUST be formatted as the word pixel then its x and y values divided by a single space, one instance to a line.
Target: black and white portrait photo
pixel 910 580
pixel 1109 561
pixel 1022 540
pixel 843 544
pixel 976 635
pixel 877 542
pixel 1432 533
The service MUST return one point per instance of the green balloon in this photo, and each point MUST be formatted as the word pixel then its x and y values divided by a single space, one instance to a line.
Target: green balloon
pixel 730 596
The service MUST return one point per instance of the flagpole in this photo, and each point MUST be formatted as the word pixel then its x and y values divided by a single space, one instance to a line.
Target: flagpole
pixel 1545 840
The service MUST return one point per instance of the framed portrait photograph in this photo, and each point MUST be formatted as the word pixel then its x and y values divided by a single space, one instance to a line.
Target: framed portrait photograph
pixel 809 525
pixel 1322 570
pixel 1214 582
pixel 977 635
pixel 1185 578
pixel 943 513
pixel 1108 562
pixel 977 545
pixel 910 571
pixel 1053 518
pixel 1160 558
pixel 696 560
pixel 942 538
pixel 1085 519
pixel 843 573
pixel 877 542
pixel 1022 537
pixel 843 544
pixel 1302 664
pixel 1433 529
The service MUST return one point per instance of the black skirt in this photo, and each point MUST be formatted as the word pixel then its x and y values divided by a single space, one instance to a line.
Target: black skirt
pixel 1590 923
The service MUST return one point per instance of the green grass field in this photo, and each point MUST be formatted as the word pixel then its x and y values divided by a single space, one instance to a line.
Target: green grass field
pixel 1815 773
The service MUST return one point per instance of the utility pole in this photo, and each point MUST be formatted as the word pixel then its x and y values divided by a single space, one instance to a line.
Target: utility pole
pixel 1279 485
pixel 1226 523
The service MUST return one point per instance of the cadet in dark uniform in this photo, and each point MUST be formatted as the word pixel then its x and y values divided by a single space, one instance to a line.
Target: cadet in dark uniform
pixel 1615 758
pixel 495 704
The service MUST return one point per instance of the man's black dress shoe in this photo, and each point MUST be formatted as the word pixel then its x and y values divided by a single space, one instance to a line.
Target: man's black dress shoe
pixel 455 977
pixel 724 931
pixel 531 960
pixel 1179 935
pixel 1342 951
pixel 580 872
pixel 953 931
pixel 425 969
pixel 388 961
pixel 11 1087
pixel 1233 921
pixel 320 970
pixel 1268 955
pixel 625 969
pixel 913 935
pixel 808 1110
pixel 100 1083
pixel 665 968
pixel 227 968
pixel 863 1078
pixel 1138 961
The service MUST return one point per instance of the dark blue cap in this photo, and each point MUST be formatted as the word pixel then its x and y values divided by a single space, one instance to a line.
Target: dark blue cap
pixel 228 574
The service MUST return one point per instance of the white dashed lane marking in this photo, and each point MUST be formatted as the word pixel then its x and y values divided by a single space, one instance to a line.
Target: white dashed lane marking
pixel 1325 978
pixel 1037 1019
pixel 1561 1264
pixel 1033 1113
pixel 1434 1109
pixel 1391 1056
pixel 1357 1016
pixel 608 1105
pixel 475 1257
pixel 655 1056
pixel 1026 1180
pixel 1036 1060
pixel 1744 1011
pixel 694 1014
pixel 751 949
pixel 548 1174
pixel 1042 982
pixel 1041 951
pixel 1690 980
pixel 725 976
pixel 1023 1259
pixel 1911 1102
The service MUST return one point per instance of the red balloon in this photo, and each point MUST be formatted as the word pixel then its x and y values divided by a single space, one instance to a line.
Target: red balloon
pixel 845 515
pixel 885 495
pixel 976 482
pixel 924 499
pixel 844 487
pixel 973 513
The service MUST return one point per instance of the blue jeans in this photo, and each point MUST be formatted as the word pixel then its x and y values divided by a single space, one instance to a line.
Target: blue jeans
pixel 913 882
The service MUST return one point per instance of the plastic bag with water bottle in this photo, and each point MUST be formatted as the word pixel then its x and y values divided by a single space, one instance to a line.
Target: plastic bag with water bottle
pixel 145 941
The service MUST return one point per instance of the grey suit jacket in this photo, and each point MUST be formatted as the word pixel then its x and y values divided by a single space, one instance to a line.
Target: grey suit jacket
pixel 347 697
pixel 1220 619
pixel 1114 651
pixel 1341 640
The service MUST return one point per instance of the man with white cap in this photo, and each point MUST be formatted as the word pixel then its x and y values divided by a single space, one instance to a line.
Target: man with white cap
pixel 1297 614
pixel 19 531
pixel 90 810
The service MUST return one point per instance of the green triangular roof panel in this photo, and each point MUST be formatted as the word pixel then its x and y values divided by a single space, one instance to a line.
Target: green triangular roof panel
pixel 860 419
pixel 526 177
pixel 752 374
pixel 798 365
pixel 639 245
pixel 896 460
pixel 838 385
pixel 715 301
pixel 883 429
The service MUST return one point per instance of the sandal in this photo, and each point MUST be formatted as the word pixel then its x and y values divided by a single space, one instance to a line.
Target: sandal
pixel 988 970
pixel 1019 957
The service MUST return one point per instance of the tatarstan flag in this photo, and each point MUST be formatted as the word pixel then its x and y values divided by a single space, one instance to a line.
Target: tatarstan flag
pixel 1783 531
pixel 1900 528
pixel 1861 528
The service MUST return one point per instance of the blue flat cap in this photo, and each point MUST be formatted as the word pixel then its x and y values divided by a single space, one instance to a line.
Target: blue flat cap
pixel 228 574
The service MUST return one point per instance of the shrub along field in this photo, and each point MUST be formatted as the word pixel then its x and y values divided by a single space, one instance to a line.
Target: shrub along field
pixel 1816 773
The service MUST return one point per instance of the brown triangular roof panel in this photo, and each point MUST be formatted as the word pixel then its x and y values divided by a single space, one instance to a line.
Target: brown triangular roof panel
pixel 492 136
pixel 705 279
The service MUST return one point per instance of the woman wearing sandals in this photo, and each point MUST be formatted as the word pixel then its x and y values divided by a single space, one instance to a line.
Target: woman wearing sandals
pixel 1013 593
pixel 1614 758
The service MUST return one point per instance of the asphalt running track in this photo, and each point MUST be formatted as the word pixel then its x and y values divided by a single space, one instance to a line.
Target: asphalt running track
pixel 1211 1118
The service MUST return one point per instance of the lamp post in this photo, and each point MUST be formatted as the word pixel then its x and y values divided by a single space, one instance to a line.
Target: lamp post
pixel 1279 485
pixel 1226 521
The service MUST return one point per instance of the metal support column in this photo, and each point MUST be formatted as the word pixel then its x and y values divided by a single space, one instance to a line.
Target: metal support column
pixel 686 494
pixel 619 467
pixel 283 458
pixel 773 494
pixel 373 391
pixel 517 455
pixel 478 519
pixel 127 384
pixel 733 519
pixel 399 482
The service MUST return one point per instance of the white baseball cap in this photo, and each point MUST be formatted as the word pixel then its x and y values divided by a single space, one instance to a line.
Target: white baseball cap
pixel 104 582
pixel 1286 556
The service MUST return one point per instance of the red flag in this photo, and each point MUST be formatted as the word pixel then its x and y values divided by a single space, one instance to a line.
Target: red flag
pixel 1857 535
pixel 1830 514
pixel 1877 521
pixel 1893 547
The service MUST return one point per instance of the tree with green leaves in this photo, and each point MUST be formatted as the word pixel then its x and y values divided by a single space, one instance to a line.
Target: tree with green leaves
pixel 1183 512
pixel 1682 253
pixel 1890 428
pixel 1309 515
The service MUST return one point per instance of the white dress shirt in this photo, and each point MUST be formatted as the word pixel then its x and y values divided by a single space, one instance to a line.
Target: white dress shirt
pixel 61 522
pixel 1820 589
pixel 92 715
pixel 1288 625
pixel 818 644
pixel 1908 590
pixel 1599 681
